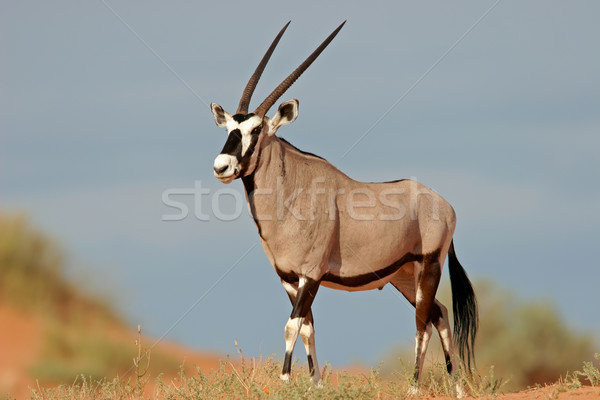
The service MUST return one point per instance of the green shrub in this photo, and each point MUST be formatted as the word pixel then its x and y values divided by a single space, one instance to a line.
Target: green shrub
pixel 32 275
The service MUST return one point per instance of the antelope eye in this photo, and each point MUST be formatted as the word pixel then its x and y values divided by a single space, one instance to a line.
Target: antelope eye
pixel 256 130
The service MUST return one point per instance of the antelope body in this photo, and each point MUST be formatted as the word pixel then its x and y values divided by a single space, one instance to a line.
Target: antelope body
pixel 318 227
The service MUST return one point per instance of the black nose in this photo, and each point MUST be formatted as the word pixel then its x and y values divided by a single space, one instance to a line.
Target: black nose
pixel 222 169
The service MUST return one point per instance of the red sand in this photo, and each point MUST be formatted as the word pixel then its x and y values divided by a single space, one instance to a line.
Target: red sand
pixel 20 342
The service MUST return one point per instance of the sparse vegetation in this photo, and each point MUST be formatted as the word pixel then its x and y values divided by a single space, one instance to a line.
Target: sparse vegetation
pixel 258 379
pixel 78 351
pixel 590 372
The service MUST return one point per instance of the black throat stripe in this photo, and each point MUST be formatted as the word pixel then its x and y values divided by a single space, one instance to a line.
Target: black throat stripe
pixel 248 181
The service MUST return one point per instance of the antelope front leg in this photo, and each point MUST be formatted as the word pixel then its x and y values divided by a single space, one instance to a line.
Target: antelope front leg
pixel 307 333
pixel 307 289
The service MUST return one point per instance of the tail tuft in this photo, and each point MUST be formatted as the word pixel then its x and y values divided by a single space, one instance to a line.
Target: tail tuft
pixel 464 306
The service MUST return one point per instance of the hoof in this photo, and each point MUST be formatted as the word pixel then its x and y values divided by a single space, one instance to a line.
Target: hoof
pixel 460 393
pixel 413 391
pixel 317 382
pixel 284 377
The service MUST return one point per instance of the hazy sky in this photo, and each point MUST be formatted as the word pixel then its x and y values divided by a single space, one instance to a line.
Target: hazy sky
pixel 494 104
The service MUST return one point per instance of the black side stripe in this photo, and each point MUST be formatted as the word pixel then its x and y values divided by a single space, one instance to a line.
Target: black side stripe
pixel 372 276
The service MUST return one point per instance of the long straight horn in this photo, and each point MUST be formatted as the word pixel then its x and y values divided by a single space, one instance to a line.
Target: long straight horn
pixel 287 82
pixel 245 100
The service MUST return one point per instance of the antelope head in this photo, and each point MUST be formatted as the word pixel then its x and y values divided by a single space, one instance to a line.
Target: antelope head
pixel 245 130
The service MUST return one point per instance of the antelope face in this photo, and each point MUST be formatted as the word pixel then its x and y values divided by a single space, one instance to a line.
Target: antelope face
pixel 239 154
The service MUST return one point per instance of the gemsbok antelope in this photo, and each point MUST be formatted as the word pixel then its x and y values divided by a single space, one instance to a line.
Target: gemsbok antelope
pixel 319 227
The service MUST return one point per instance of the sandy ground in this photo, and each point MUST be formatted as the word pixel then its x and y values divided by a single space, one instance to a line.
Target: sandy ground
pixel 552 392
pixel 546 393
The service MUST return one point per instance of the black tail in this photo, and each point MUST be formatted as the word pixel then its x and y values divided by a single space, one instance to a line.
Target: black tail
pixel 464 306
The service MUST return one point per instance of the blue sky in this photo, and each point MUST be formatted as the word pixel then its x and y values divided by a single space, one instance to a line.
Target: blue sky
pixel 104 106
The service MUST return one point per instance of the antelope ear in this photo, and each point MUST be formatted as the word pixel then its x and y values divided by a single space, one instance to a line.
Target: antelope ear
pixel 286 114
pixel 221 116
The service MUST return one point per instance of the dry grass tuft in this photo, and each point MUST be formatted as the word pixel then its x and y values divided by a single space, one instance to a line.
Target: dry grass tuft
pixel 259 379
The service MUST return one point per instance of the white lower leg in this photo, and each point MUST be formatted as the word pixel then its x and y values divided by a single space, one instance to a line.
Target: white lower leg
pixel 443 327
pixel 292 329
pixel 445 337
pixel 307 333
pixel 421 343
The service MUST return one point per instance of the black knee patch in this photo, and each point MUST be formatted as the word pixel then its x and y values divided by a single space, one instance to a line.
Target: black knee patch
pixel 287 363
pixel 448 363
pixel 311 367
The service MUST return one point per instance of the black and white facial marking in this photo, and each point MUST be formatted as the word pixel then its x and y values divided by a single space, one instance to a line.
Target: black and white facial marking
pixel 239 155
